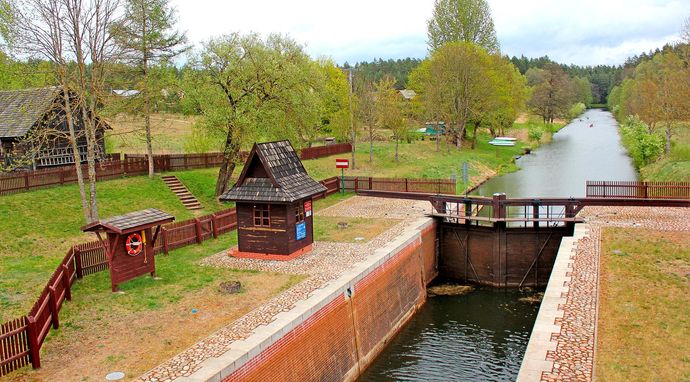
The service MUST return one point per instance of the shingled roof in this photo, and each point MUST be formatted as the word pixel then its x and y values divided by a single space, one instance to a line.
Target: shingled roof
pixel 130 222
pixel 286 180
pixel 21 109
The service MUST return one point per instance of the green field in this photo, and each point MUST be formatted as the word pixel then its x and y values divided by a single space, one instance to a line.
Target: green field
pixel 38 227
pixel 644 306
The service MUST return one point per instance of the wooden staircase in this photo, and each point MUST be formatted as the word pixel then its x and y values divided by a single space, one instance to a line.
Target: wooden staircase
pixel 186 197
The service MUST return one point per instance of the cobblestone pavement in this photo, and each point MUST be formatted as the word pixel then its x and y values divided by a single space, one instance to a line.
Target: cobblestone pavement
pixel 326 262
pixel 575 351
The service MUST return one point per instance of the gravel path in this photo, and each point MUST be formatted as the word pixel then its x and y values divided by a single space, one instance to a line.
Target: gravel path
pixel 326 262
pixel 574 357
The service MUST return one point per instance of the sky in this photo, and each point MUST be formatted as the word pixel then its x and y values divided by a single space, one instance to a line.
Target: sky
pixel 582 32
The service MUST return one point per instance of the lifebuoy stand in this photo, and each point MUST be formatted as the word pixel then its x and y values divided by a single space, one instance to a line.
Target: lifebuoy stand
pixel 129 243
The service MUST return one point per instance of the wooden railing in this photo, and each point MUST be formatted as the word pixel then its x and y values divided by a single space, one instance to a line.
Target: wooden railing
pixel 638 190
pixel 437 186
pixel 21 339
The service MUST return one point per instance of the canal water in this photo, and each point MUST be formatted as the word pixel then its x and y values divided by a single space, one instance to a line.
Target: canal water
pixel 482 336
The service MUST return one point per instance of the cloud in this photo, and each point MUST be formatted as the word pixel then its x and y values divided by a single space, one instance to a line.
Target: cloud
pixel 584 32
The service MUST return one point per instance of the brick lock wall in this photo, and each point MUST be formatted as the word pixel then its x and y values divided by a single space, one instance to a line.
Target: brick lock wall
pixel 340 340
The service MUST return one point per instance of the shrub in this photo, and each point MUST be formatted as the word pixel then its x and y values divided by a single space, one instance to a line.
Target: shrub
pixel 535 133
pixel 643 146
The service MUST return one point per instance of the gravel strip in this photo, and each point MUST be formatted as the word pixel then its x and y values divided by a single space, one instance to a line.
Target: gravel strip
pixel 326 262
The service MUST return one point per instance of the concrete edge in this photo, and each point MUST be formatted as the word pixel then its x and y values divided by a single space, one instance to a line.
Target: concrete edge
pixel 535 362
pixel 214 369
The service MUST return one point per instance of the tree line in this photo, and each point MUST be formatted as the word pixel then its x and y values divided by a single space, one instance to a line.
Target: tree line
pixel 652 100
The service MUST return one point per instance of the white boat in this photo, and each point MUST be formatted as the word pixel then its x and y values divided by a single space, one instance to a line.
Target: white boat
pixel 506 139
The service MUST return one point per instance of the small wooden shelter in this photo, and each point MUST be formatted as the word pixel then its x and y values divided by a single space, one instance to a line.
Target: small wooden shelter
pixel 130 242
pixel 274 203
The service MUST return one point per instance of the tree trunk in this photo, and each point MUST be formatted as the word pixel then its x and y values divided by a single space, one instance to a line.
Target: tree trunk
pixel 371 144
pixel 69 117
pixel 91 142
pixel 668 138
pixel 397 141
pixel 147 97
pixel 230 154
pixel 438 136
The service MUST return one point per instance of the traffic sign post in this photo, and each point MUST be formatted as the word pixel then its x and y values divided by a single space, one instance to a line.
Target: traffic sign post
pixel 342 164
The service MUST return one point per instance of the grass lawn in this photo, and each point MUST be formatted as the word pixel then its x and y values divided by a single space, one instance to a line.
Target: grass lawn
pixel 153 319
pixel 38 227
pixel 644 307
pixel 326 228
pixel 676 166
pixel 170 133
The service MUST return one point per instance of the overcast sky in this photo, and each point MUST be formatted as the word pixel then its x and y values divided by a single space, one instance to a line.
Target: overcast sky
pixel 584 32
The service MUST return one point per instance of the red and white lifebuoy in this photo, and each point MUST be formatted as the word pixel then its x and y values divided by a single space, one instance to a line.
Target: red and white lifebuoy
pixel 134 244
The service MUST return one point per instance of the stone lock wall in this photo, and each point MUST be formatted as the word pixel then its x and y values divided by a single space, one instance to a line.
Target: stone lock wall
pixel 339 330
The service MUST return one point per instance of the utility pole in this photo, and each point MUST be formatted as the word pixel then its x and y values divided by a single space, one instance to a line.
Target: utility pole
pixel 352 118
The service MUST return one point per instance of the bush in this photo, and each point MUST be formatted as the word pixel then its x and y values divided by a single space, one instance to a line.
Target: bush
pixel 576 110
pixel 644 147
pixel 535 133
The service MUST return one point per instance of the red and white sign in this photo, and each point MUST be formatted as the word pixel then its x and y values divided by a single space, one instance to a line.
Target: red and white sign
pixel 307 208
pixel 342 163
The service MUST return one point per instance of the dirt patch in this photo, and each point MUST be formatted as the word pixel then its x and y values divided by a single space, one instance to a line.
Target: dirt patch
pixel 532 299
pixel 135 342
pixel 678 267
pixel 449 290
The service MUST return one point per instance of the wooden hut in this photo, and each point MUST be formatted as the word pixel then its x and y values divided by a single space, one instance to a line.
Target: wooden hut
pixel 33 130
pixel 274 203
pixel 129 242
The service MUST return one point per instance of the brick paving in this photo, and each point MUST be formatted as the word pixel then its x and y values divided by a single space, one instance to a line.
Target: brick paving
pixel 326 262
pixel 574 355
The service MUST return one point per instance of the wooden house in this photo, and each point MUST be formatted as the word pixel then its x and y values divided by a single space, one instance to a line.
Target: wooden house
pixel 25 114
pixel 274 203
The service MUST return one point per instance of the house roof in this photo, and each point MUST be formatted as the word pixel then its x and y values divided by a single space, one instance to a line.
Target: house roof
pixel 286 180
pixel 21 109
pixel 132 221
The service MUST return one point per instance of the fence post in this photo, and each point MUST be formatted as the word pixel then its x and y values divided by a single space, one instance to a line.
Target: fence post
pixel 407 188
pixel 52 303
pixel 197 226
pixel 34 348
pixel 62 176
pixel 205 160
pixel 26 180
pixel 77 266
pixel 214 225
pixel 164 232
pixel 66 282
pixel 370 183
pixel 645 190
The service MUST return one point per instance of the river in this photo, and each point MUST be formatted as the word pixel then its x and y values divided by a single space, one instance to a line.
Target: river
pixel 482 336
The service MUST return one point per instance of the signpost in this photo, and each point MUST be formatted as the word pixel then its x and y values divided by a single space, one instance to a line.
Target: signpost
pixel 342 164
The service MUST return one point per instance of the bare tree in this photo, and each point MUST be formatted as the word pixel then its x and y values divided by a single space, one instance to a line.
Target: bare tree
pixel 40 31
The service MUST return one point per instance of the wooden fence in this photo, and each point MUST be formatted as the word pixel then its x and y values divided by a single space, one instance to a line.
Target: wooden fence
pixel 133 164
pixel 638 190
pixel 437 186
pixel 21 339
pixel 324 151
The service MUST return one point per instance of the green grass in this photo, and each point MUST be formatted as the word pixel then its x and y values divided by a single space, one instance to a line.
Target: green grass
pixel 326 228
pixel 644 308
pixel 38 227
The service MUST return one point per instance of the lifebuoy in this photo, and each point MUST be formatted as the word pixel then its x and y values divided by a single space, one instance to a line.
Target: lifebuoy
pixel 134 244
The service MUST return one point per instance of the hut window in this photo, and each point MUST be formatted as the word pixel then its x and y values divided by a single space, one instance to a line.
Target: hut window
pixel 299 213
pixel 262 215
